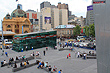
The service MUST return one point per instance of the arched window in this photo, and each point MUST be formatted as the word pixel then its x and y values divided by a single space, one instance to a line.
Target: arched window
pixel 8 26
pixel 26 32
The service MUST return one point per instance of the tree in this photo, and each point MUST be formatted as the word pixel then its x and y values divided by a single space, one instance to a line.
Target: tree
pixel 92 30
pixel 86 31
pixel 76 30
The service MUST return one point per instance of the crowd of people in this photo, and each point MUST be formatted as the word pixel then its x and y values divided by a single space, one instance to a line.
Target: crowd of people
pixel 42 65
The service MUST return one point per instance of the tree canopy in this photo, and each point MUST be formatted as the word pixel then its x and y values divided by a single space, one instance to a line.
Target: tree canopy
pixel 76 30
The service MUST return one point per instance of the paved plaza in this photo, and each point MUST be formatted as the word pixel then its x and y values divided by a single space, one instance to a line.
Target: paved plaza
pixel 54 57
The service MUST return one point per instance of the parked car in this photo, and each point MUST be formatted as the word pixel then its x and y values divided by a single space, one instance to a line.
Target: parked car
pixel 91 45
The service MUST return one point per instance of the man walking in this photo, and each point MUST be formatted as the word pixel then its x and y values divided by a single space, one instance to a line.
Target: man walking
pixel 44 52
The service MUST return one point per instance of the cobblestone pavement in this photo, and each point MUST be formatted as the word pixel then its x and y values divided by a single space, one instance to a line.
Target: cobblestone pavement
pixel 54 57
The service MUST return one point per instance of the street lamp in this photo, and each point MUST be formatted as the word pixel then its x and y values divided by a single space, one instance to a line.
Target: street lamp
pixel 2 36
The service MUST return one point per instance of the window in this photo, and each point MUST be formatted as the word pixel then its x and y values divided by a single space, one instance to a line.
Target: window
pixel 68 32
pixel 8 26
pixel 71 32
pixel 16 30
pixel 26 32
pixel 26 26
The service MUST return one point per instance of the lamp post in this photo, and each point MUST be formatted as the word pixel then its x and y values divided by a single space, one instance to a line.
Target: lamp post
pixel 2 36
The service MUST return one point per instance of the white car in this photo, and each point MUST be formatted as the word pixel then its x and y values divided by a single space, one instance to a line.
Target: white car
pixel 81 44
pixel 85 44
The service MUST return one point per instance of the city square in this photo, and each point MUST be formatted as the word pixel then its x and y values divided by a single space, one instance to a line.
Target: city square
pixel 54 57
pixel 54 36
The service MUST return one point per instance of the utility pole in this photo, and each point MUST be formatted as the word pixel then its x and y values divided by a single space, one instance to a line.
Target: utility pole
pixel 2 36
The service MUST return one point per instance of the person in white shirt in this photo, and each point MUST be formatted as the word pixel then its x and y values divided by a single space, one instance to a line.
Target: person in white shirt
pixel 78 54
pixel 84 55
pixel 4 61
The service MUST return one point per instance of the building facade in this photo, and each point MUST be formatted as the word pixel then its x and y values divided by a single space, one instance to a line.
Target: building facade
pixel 63 17
pixel 17 22
pixel 101 9
pixel 45 19
pixel 64 6
pixel 34 19
pixel 45 4
pixel 65 31
pixel 54 17
pixel 89 15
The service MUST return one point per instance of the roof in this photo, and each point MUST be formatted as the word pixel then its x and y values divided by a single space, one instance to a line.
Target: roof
pixel 34 32
pixel 19 13
pixel 66 26
pixel 7 32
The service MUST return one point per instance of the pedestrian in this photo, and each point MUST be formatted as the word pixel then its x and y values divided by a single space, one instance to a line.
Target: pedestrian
pixel 2 52
pixel 54 68
pixel 6 54
pixel 46 48
pixel 44 52
pixel 49 68
pixel 27 62
pixel 46 64
pixel 21 65
pixel 60 71
pixel 33 54
pixel 75 54
pixel 4 61
pixel 67 56
pixel 39 64
pixel 26 48
pixel 15 66
pixel 17 58
pixel 78 54
pixel 84 56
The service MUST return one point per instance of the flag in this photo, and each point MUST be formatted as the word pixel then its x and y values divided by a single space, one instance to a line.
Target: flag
pixel 16 0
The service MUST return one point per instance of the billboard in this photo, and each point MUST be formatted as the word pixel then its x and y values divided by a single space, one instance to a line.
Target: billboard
pixel 47 20
pixel 34 16
pixel 89 8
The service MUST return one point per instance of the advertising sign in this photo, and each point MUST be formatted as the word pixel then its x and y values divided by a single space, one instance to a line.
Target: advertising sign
pixel 89 8
pixel 47 20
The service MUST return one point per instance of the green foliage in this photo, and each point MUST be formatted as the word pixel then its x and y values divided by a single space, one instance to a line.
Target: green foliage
pixel 76 30
pixel 86 31
pixel 90 30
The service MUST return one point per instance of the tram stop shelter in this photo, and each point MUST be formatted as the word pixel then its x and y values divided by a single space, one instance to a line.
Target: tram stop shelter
pixel 34 40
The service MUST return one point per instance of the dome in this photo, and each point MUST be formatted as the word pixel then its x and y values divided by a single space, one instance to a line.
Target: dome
pixel 18 12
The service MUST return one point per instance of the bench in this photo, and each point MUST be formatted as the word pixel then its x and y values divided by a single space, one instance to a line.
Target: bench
pixel 18 61
pixel 91 57
pixel 20 68
pixel 65 49
pixel 46 69
pixel 91 54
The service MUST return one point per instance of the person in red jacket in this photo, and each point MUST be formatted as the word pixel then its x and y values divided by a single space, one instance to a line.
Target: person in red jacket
pixel 69 55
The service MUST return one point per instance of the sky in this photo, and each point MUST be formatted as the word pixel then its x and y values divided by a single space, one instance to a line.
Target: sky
pixel 78 7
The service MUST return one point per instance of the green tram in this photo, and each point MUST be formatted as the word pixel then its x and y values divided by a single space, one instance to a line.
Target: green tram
pixel 34 40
